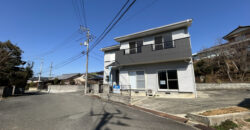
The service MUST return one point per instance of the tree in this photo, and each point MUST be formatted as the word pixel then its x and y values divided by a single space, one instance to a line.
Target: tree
pixel 227 62
pixel 56 81
pixel 13 71
pixel 232 59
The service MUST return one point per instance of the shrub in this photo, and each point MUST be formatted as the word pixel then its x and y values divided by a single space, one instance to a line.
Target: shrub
pixel 56 81
pixel 226 125
pixel 72 82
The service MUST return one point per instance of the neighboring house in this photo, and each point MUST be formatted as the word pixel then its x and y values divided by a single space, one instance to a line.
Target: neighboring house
pixel 94 77
pixel 35 79
pixel 157 62
pixel 68 78
pixel 239 37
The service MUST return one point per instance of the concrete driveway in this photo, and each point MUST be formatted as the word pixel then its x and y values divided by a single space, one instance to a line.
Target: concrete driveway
pixel 75 111
pixel 206 100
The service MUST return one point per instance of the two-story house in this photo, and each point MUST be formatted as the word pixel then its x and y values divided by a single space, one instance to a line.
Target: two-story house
pixel 156 61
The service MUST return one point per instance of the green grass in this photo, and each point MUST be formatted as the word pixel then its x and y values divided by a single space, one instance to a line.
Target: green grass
pixel 247 120
pixel 226 125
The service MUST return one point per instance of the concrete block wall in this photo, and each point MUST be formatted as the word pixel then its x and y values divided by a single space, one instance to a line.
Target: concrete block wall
pixel 105 88
pixel 65 88
pixel 212 86
pixel 95 88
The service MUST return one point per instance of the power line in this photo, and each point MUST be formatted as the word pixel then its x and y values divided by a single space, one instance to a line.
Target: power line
pixel 58 46
pixel 102 37
pixel 97 58
pixel 124 5
pixel 140 11
pixel 84 14
pixel 79 8
pixel 77 11
pixel 66 62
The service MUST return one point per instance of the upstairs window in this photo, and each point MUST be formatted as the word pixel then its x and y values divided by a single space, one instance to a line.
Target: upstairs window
pixel 168 41
pixel 134 47
pixel 163 42
pixel 158 43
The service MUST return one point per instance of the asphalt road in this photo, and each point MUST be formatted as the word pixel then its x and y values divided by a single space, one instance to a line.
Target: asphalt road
pixel 73 111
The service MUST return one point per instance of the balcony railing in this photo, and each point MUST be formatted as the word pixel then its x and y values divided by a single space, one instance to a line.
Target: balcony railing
pixel 132 50
pixel 163 45
pixel 158 46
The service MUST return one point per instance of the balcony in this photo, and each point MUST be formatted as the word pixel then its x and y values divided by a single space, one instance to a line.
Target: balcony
pixel 164 45
pixel 155 53
pixel 132 50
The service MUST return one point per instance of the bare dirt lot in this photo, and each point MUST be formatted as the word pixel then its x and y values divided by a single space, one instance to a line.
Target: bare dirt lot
pixel 224 111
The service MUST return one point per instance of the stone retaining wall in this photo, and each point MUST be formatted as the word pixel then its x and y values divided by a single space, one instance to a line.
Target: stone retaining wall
pixel 212 86
pixel 65 88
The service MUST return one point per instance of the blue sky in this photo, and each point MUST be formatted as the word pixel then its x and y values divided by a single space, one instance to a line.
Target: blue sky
pixel 39 26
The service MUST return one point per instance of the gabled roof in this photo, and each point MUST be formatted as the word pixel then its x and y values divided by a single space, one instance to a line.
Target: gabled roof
pixel 68 76
pixel 235 31
pixel 185 23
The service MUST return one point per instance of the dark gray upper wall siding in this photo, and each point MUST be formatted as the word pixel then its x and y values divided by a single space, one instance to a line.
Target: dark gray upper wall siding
pixel 182 50
pixel 169 31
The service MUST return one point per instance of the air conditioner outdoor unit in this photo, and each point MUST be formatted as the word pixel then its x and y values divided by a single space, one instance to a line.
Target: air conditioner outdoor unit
pixel 150 92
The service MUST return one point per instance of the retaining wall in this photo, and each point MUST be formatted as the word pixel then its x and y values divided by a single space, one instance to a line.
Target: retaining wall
pixel 65 88
pixel 116 98
pixel 212 86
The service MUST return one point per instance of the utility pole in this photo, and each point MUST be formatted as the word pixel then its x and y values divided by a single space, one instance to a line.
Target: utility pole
pixel 86 43
pixel 87 58
pixel 40 74
pixel 50 71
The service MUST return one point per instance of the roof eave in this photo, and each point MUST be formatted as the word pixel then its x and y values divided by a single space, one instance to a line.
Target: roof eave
pixel 185 23
pixel 110 48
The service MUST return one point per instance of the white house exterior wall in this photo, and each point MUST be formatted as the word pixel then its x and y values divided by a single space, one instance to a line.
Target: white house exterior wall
pixel 184 72
pixel 109 58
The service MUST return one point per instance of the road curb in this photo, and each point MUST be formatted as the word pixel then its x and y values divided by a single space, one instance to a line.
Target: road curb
pixel 176 118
